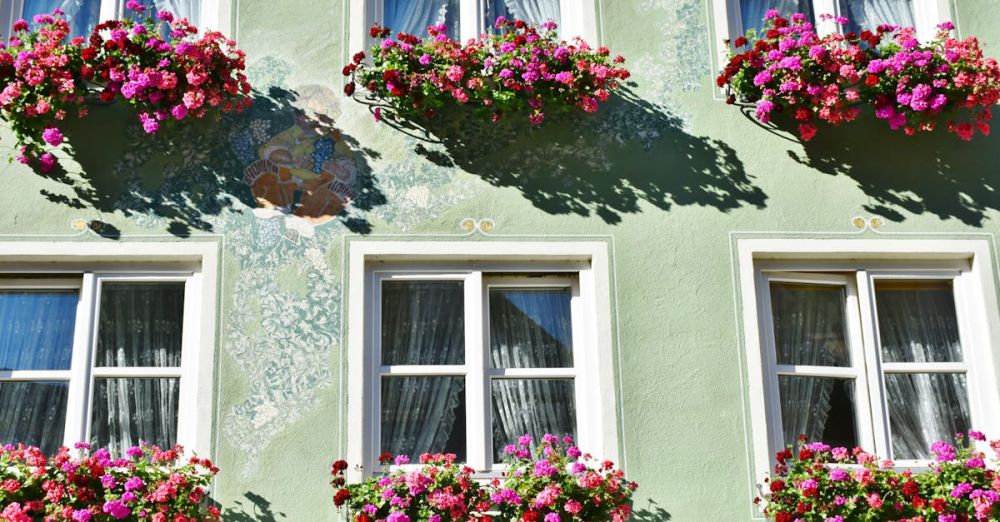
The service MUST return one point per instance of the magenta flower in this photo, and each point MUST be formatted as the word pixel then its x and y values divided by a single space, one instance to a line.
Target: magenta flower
pixel 52 136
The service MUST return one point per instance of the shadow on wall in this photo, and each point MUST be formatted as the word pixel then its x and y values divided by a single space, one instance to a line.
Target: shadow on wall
pixel 184 175
pixel 651 512
pixel 930 173
pixel 606 164
pixel 254 509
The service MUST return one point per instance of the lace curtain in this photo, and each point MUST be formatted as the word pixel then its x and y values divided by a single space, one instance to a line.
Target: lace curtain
pixel 423 323
pixel 869 14
pixel 413 16
pixel 82 15
pixel 917 323
pixel 531 329
pixel 752 11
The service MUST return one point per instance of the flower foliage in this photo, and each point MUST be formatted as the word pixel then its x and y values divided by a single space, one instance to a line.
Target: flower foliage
pixel 911 85
pixel 520 70
pixel 554 483
pixel 159 66
pixel 439 491
pixel 81 486
pixel 824 484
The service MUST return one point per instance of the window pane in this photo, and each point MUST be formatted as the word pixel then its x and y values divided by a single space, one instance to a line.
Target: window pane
pixel 923 409
pixel 190 9
pixel 531 328
pixel 127 411
pixel 809 324
pixel 869 14
pixel 33 413
pixel 423 415
pixel 141 324
pixel 917 321
pixel 752 11
pixel 820 408
pixel 82 15
pixel 36 329
pixel 413 16
pixel 423 322
pixel 531 406
pixel 532 11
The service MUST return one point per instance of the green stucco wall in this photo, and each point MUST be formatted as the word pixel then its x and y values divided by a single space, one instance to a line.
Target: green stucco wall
pixel 668 175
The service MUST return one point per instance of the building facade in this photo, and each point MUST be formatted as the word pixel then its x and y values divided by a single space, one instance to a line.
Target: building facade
pixel 676 285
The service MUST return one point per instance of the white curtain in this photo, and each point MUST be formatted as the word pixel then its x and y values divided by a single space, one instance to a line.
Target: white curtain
pixel 413 16
pixel 82 15
pixel 422 323
pixel 531 329
pixel 534 11
pixel 869 14
pixel 130 411
pixel 33 413
pixel 808 330
pixel 190 9
pixel 140 325
pixel 917 323
pixel 752 11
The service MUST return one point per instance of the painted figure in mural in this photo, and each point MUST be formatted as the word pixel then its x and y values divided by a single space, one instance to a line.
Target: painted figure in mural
pixel 303 171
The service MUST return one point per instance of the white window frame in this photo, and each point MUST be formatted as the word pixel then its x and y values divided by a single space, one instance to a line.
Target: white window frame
pixel 578 18
pixel 927 14
pixel 216 15
pixel 582 266
pixel 862 262
pixel 86 267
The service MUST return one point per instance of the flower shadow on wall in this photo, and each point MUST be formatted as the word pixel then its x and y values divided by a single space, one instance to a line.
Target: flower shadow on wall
pixel 651 512
pixel 184 179
pixel 929 173
pixel 255 509
pixel 631 151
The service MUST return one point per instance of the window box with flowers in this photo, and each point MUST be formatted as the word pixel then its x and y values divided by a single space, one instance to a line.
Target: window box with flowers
pixel 912 85
pixel 158 65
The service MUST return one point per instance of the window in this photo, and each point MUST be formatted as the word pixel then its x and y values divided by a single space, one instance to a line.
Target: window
pixel 84 15
pixel 735 17
pixel 468 18
pixel 888 354
pixel 106 353
pixel 465 358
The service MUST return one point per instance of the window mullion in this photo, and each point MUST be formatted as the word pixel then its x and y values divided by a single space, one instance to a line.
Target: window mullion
pixel 78 405
pixel 873 364
pixel 470 18
pixel 821 7
pixel 476 386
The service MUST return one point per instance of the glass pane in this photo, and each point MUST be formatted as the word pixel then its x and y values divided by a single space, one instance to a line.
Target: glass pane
pixel 531 328
pixel 190 9
pixel 923 409
pixel 36 329
pixel 423 415
pixel 127 411
pixel 533 407
pixel 141 324
pixel 532 11
pixel 752 11
pixel 82 15
pixel 413 16
pixel 869 14
pixel 917 321
pixel 33 413
pixel 809 324
pixel 423 322
pixel 821 408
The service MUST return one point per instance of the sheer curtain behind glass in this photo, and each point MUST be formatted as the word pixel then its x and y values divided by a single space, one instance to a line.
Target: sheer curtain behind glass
pixel 869 14
pixel 917 324
pixel 140 326
pixel 423 324
pixel 810 329
pixel 82 15
pixel 36 333
pixel 752 11
pixel 190 9
pixel 531 11
pixel 531 328
pixel 413 16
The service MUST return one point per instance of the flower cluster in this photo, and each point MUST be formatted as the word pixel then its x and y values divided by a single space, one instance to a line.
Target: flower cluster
pixel 521 70
pixel 438 491
pixel 824 484
pixel 80 486
pixel 158 65
pixel 555 482
pixel 909 84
